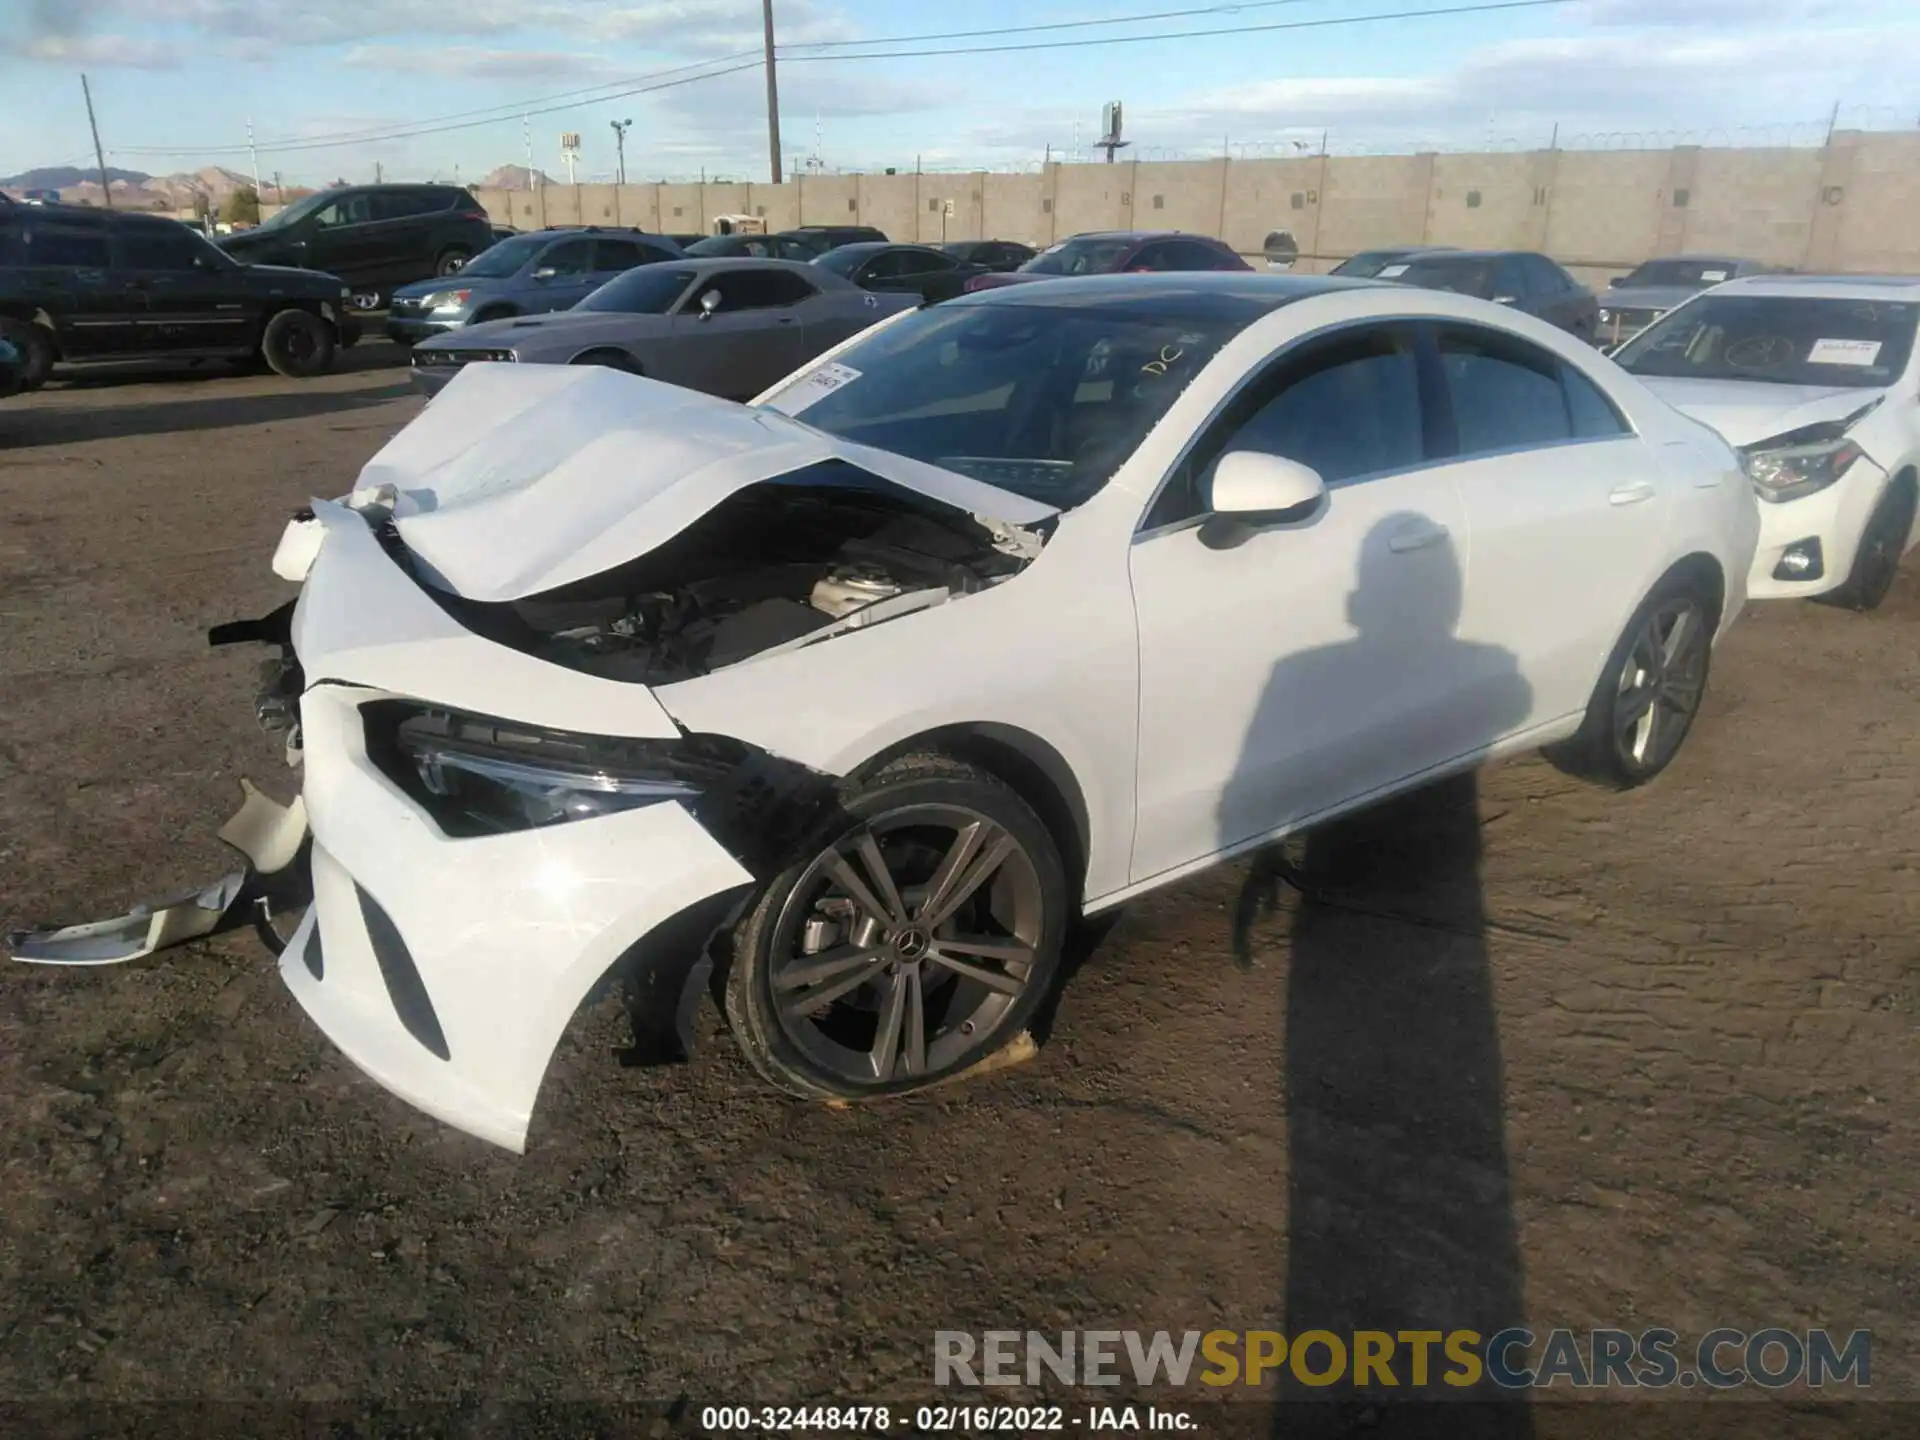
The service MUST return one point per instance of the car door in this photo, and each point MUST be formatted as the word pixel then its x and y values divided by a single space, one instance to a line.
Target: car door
pixel 404 231
pixel 562 276
pixel 890 271
pixel 181 292
pixel 1510 285
pixel 343 239
pixel 1313 662
pixel 753 336
pixel 64 267
pixel 1565 508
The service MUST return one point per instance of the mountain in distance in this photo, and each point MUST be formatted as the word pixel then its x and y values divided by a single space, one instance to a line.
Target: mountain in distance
pixel 135 189
pixel 513 177
pixel 64 177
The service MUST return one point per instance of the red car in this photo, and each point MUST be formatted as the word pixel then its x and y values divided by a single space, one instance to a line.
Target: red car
pixel 1108 252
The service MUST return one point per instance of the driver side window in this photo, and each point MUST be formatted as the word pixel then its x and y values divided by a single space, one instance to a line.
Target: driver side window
pixel 1347 405
pixel 347 210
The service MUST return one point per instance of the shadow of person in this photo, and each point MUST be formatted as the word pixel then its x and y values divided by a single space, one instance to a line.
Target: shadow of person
pixel 1399 1208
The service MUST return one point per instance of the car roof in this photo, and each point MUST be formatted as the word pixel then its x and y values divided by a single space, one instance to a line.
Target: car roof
pixel 1242 294
pixel 1825 287
pixel 1444 254
pixel 869 247
pixel 1138 235
pixel 723 263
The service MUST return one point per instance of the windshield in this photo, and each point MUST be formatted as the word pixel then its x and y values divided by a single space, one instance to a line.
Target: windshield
pixel 1690 274
pixel 1079 257
pixel 1777 339
pixel 1462 277
pixel 298 210
pixel 1367 265
pixel 1044 401
pixel 644 290
pixel 499 261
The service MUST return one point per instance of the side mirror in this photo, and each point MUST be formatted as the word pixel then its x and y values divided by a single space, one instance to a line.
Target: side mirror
pixel 1251 489
pixel 709 302
pixel 545 272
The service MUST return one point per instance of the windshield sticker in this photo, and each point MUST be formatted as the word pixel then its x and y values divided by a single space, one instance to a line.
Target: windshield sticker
pixel 1844 352
pixel 1390 271
pixel 1713 277
pixel 817 386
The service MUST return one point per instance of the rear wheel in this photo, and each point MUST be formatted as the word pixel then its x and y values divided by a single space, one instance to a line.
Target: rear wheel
pixel 912 938
pixel 37 352
pixel 297 345
pixel 1882 544
pixel 1642 710
pixel 451 261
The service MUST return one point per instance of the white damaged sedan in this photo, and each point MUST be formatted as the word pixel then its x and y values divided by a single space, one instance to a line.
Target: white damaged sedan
pixel 842 706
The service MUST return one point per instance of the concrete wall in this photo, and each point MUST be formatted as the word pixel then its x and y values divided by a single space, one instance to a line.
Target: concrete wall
pixel 1852 206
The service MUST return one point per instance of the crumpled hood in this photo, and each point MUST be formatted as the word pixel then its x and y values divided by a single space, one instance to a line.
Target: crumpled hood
pixel 1647 297
pixel 1744 411
pixel 517 479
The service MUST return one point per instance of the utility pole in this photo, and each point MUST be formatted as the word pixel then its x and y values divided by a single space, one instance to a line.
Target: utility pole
pixel 379 173
pixel 773 96
pixel 256 159
pixel 279 190
pixel 106 186
pixel 526 131
pixel 620 128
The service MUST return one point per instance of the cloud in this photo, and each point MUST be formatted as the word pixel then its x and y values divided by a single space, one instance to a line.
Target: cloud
pixel 473 62
pixel 102 52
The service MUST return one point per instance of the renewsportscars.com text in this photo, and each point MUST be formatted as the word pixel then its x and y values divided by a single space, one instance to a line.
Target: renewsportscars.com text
pixel 1514 1359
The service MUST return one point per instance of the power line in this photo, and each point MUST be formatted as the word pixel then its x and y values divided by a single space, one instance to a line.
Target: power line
pixel 1190 34
pixel 503 112
pixel 1232 9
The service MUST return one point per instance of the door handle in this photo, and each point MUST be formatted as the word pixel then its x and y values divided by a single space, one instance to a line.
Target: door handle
pixel 1632 494
pixel 1416 538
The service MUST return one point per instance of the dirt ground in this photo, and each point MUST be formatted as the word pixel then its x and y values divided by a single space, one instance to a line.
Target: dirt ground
pixel 1529 1054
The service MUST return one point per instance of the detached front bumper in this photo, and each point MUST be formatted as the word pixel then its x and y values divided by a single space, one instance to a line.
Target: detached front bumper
pixel 447 969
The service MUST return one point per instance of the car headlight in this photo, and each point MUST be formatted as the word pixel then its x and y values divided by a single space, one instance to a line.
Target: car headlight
pixel 1605 316
pixel 480 776
pixel 1788 472
pixel 446 300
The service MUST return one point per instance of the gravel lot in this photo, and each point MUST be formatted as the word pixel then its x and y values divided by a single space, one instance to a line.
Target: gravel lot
pixel 1529 1053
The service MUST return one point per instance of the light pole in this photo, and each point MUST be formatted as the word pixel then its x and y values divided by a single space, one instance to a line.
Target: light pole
pixel 620 128
pixel 773 95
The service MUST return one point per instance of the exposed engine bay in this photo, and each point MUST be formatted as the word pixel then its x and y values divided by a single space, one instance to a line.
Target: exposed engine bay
pixel 774 565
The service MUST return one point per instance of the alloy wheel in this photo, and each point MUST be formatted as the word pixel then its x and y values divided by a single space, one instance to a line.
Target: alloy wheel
pixel 906 944
pixel 1661 683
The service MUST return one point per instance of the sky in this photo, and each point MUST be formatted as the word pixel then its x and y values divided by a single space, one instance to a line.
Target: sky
pixel 177 83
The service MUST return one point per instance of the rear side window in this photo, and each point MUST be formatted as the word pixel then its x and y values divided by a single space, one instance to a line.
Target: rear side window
pixel 1592 414
pixel 63 242
pixel 1505 393
pixel 404 204
pixel 1547 277
pixel 623 254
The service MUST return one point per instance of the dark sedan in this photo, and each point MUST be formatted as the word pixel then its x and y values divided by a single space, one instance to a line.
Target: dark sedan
pixel 1521 279
pixel 891 269
pixel 995 255
pixel 752 247
pixel 1106 252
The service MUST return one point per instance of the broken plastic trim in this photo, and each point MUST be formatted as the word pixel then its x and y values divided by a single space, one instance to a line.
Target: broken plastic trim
pixel 273 839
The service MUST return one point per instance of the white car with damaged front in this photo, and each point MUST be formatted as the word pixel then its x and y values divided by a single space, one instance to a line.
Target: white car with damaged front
pixel 1817 380
pixel 845 704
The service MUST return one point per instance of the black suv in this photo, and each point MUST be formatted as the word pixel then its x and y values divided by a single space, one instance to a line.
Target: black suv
pixel 80 286
pixel 374 237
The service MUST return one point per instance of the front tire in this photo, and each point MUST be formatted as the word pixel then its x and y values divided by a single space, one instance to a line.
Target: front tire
pixel 914 935
pixel 297 345
pixel 451 262
pixel 1882 545
pixel 37 353
pixel 1643 707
